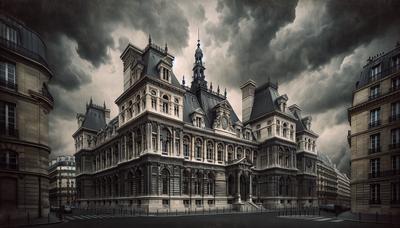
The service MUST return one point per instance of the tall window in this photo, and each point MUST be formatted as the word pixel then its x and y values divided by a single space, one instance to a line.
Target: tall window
pixel 165 181
pixel 285 130
pixel 239 154
pixel 291 132
pixel 395 111
pixel 154 137
pixel 375 143
pixel 137 104
pixel 395 82
pixel 396 62
pixel 395 192
pixel 230 153
pixel 198 149
pixel 7 119
pixel 198 184
pixel 154 100
pixel 8 160
pixel 186 182
pixel 198 121
pixel 395 138
pixel 375 191
pixel 186 147
pixel 258 131
pixel 374 117
pixel 8 33
pixel 130 109
pixel 165 74
pixel 165 104
pixel 7 75
pixel 220 152
pixel 374 92
pixel 210 151
pixel 375 167
pixel 210 184
pixel 278 127
pixel 375 72
pixel 396 164
pixel 165 141
pixel 176 107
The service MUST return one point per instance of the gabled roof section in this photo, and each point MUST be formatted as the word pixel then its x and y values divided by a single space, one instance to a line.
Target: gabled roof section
pixel 265 101
pixel 300 121
pixel 95 117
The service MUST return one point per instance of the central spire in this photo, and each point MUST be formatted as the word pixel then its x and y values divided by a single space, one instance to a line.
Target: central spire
pixel 198 68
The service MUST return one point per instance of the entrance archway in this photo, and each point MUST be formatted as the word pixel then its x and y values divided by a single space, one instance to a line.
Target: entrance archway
pixel 244 188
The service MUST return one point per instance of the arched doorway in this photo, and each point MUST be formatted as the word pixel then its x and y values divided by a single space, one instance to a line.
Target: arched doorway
pixel 244 188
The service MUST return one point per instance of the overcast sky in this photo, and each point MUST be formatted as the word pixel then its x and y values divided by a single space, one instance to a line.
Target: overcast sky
pixel 315 50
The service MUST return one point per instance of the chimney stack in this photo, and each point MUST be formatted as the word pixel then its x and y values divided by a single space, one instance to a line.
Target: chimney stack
pixel 248 90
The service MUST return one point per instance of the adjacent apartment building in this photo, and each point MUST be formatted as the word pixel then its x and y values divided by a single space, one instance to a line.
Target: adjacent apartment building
pixel 62 182
pixel 375 136
pixel 178 147
pixel 25 104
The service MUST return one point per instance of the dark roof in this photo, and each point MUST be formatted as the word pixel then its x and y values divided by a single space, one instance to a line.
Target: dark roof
pixel 95 118
pixel 386 66
pixel 265 98
pixel 205 101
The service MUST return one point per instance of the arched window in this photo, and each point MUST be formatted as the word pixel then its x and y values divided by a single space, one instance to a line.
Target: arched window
pixel 210 151
pixel 186 182
pixel 8 160
pixel 220 152
pixel 165 104
pixel 165 138
pixel 285 129
pixel 278 127
pixel 281 186
pixel 210 184
pixel 131 183
pixel 154 133
pixel 248 154
pixel 198 148
pixel 198 184
pixel 291 132
pixel 153 99
pixel 138 182
pixel 137 103
pixel 165 181
pixel 239 153
pixel 186 146
pixel 138 141
pixel 230 153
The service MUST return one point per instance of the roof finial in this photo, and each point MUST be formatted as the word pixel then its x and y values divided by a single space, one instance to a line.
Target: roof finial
pixel 198 37
pixel 225 93
pixel 104 105
pixel 166 47
pixel 211 86
pixel 149 38
pixel 91 101
pixel 218 89
pixel 183 80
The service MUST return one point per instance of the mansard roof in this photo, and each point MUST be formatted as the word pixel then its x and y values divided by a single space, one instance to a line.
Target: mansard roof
pixel 300 124
pixel 95 118
pixel 265 101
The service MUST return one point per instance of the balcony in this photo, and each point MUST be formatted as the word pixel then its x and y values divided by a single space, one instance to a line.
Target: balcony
pixel 374 124
pixel 373 96
pixel 394 88
pixel 9 132
pixel 8 84
pixel 393 146
pixel 374 150
pixel 375 201
pixel 386 173
pixel 394 117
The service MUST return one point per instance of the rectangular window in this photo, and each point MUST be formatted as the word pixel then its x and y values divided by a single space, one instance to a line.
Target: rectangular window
pixel 154 103
pixel 374 92
pixel 198 121
pixel 7 75
pixel 375 167
pixel 375 143
pixel 375 191
pixel 7 119
pixel 395 83
pixel 176 110
pixel 374 117
pixel 8 33
pixel 199 203
pixel 396 63
pixel 395 193
pixel 375 72
pixel 165 202
pixel 396 163
pixel 395 137
pixel 395 111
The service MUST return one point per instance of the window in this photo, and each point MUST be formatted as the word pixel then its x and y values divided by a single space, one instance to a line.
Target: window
pixel 154 137
pixel 186 147
pixel 165 202
pixel 395 111
pixel 247 135
pixel 210 184
pixel 395 82
pixel 198 149
pixel 239 152
pixel 374 92
pixel 198 122
pixel 278 128
pixel 165 181
pixel 230 153
pixel 374 117
pixel 198 184
pixel 395 193
pixel 396 163
pixel 138 104
pixel 375 167
pixel 375 191
pixel 7 119
pixel 395 138
pixel 165 138
pixel 396 63
pixel 7 75
pixel 165 74
pixel 165 103
pixel 8 160
pixel 375 143
pixel 291 132
pixel 210 151
pixel 176 110
pixel 186 182
pixel 375 72
pixel 285 130
pixel 8 33
pixel 199 203
pixel 220 152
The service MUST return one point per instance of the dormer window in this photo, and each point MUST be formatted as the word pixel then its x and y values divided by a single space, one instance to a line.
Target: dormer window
pixel 165 74
pixel 165 104
pixel 375 72
pixel 198 121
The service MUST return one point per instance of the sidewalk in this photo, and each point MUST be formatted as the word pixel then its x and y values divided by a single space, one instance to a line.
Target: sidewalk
pixel 25 222
pixel 370 218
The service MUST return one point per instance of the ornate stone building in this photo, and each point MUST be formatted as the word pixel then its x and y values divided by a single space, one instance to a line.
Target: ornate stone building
pixel 375 136
pixel 25 103
pixel 177 147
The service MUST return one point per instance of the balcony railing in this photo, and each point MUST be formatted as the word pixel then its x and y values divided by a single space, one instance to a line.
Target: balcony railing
pixel 382 74
pixel 374 201
pixel 9 132
pixel 23 51
pixel 386 173
pixel 373 96
pixel 394 88
pixel 393 146
pixel 374 123
pixel 8 84
pixel 394 117
pixel 374 150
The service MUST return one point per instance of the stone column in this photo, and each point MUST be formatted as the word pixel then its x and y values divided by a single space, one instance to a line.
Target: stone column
pixel 250 188
pixel 204 150
pixel 238 188
pixel 226 154
pixel 192 150
pixel 215 152
pixel 125 148
pixel 181 143
pixel 133 144
pixel 158 138
pixel 173 151
pixel 149 142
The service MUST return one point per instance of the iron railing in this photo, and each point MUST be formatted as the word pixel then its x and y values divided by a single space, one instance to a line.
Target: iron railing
pixel 8 84
pixel 374 123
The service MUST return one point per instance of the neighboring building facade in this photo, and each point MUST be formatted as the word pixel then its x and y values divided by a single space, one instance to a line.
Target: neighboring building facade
pixel 327 181
pixel 178 147
pixel 62 191
pixel 343 190
pixel 25 103
pixel 375 136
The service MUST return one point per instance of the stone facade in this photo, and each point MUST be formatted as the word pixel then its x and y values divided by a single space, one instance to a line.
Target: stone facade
pixel 375 136
pixel 174 147
pixel 25 104
pixel 62 191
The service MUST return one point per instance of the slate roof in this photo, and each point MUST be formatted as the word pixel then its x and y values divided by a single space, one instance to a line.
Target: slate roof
pixel 94 118
pixel 386 66
pixel 265 98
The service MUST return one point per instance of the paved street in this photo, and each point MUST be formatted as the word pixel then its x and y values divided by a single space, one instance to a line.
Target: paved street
pixel 210 221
